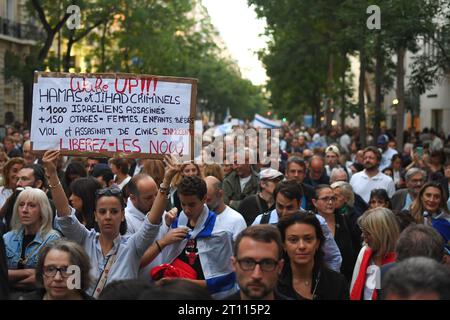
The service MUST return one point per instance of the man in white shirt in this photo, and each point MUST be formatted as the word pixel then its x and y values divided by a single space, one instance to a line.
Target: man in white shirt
pixel 227 218
pixel 388 152
pixel 371 177
pixel 143 191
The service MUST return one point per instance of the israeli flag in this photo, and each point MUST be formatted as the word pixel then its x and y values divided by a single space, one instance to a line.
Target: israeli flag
pixel 261 122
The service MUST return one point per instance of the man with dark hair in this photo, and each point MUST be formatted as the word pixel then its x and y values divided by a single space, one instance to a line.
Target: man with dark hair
pixel 388 153
pixel 296 170
pixel 120 167
pixel 11 148
pixel 32 175
pixel 417 278
pixel 142 193
pixel 371 178
pixel 207 249
pixel 258 261
pixel 91 162
pixel 287 201
pixel 103 173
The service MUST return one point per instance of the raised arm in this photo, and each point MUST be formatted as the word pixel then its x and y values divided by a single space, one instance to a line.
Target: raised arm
pixel 157 210
pixel 59 196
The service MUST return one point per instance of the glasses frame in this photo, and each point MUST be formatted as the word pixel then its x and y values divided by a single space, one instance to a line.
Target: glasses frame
pixel 260 263
pixel 62 271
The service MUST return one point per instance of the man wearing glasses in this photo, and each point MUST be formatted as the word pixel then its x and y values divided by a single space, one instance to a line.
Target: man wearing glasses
pixel 258 262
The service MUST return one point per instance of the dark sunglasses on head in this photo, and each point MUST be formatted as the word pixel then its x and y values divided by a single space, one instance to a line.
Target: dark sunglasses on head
pixel 108 192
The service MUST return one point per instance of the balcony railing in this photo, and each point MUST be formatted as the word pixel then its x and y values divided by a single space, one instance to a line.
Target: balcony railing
pixel 20 30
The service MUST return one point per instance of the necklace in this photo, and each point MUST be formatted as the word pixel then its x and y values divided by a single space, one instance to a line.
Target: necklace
pixel 24 260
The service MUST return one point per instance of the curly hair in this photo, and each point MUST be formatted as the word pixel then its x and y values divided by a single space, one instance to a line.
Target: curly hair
pixel 192 186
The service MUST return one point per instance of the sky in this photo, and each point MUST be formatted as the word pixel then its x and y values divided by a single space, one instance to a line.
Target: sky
pixel 240 30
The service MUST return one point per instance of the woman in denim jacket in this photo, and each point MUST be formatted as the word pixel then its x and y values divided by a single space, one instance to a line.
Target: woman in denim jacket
pixel 31 230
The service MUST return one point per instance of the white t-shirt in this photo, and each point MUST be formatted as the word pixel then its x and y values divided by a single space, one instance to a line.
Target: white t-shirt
pixel 232 221
pixel 243 182
pixel 363 185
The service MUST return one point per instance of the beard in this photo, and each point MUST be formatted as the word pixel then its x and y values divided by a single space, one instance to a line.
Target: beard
pixel 369 166
pixel 256 295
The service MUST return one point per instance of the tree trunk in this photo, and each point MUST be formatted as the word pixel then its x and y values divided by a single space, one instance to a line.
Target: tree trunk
pixel 343 100
pixel 378 85
pixel 401 51
pixel 328 113
pixel 361 106
pixel 27 100
pixel 66 62
pixel 103 47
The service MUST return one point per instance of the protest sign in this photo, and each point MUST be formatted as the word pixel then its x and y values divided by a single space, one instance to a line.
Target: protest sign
pixel 135 116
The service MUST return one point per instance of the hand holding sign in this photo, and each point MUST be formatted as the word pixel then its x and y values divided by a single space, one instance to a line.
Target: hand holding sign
pixel 111 114
pixel 50 160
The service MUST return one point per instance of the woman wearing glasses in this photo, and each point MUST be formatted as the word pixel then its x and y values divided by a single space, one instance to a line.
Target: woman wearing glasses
pixel 380 231
pixel 31 230
pixel 305 276
pixel 344 232
pixel 62 273
pixel 113 256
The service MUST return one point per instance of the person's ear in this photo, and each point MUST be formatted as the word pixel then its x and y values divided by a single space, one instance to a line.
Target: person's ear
pixel 314 202
pixel 280 266
pixel 39 184
pixel 233 263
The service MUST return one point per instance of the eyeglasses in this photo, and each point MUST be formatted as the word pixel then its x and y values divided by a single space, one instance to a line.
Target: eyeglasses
pixel 51 271
pixel 266 265
pixel 108 192
pixel 327 199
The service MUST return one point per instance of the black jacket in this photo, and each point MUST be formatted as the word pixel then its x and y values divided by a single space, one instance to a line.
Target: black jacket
pixel 309 193
pixel 4 288
pixel 252 206
pixel 328 284
pixel 237 296
pixel 39 295
pixel 348 240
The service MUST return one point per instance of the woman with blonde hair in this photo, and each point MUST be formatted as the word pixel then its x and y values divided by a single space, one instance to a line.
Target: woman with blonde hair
pixel 31 230
pixel 381 232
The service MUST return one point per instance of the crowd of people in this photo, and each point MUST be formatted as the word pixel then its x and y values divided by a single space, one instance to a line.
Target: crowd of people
pixel 335 220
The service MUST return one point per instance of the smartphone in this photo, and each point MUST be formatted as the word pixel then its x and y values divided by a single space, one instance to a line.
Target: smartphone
pixel 419 151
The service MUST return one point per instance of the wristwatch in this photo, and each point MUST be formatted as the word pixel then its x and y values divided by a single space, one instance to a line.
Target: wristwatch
pixel 164 189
